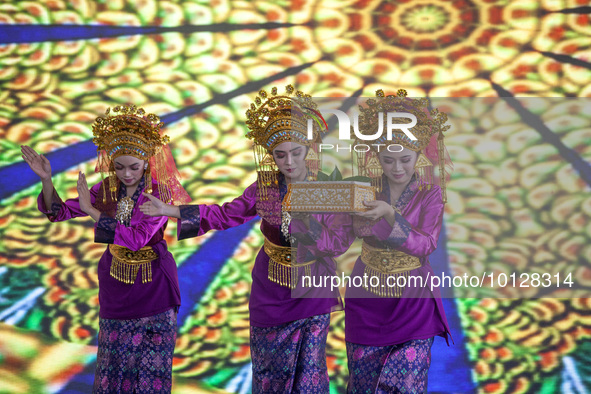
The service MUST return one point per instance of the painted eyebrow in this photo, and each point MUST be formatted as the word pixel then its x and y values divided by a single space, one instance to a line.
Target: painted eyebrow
pixel 282 151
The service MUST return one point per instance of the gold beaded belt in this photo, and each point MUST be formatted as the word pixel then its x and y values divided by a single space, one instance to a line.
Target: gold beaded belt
pixel 127 262
pixel 384 263
pixel 281 268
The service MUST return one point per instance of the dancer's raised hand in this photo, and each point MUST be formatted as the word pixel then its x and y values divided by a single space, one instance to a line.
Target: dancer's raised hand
pixel 38 163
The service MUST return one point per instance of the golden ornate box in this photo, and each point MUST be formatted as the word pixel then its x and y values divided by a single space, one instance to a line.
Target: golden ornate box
pixel 328 196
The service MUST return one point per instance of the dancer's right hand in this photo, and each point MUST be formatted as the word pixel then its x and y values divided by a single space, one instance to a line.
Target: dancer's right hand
pixel 38 163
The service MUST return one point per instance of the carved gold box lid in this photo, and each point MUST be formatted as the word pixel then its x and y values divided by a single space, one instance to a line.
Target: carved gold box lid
pixel 328 196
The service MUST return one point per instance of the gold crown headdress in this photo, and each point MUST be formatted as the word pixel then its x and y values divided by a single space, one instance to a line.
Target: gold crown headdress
pixel 273 119
pixel 428 123
pixel 129 131
pixel 428 131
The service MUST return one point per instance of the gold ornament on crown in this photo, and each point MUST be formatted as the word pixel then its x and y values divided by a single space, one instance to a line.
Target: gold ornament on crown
pixel 430 122
pixel 129 131
pixel 276 118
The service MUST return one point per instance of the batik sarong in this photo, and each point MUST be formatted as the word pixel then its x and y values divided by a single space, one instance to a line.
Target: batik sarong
pixel 399 368
pixel 136 355
pixel 290 358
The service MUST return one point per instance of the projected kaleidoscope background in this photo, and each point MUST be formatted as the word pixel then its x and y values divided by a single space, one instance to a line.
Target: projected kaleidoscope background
pixel 198 64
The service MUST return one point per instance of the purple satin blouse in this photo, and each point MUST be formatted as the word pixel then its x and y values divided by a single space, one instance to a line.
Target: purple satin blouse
pixel 418 314
pixel 120 300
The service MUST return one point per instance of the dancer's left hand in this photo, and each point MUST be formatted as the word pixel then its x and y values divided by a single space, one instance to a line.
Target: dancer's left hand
pixel 83 194
pixel 155 207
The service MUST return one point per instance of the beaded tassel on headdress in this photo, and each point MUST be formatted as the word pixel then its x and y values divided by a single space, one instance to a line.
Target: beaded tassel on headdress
pixel 442 171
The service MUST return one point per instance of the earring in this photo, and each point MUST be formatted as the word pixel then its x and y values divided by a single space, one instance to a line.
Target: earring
pixel 113 182
pixel 148 179
pixel 374 171
pixel 312 163
pixel 423 172
pixel 422 161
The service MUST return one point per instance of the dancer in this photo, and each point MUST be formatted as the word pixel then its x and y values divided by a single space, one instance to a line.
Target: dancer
pixel 389 327
pixel 138 285
pixel 288 330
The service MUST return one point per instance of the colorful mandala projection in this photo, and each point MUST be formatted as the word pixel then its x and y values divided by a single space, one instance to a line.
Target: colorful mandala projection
pixel 197 63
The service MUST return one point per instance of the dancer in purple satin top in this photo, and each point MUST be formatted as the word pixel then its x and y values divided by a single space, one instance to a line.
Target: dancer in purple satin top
pixel 288 328
pixel 389 328
pixel 138 286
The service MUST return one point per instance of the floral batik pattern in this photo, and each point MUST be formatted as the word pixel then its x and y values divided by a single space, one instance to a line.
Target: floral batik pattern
pixel 291 357
pixel 399 368
pixel 136 355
